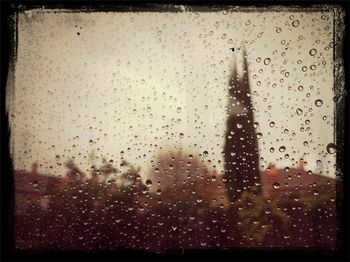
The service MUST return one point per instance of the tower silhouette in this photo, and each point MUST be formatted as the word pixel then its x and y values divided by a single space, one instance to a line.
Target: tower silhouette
pixel 241 146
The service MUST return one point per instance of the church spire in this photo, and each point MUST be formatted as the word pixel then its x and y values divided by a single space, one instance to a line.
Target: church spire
pixel 241 147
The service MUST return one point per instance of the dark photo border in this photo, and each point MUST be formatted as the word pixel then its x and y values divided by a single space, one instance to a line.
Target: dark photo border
pixel 9 10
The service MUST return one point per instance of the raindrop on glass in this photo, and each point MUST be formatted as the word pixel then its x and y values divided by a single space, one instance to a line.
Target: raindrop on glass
pixel 267 61
pixel 295 23
pixel 299 111
pixel 331 148
pixel 276 185
pixel 318 102
pixel 313 52
pixel 148 182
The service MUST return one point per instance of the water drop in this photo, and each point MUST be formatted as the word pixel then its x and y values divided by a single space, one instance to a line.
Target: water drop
pixel 299 111
pixel 295 23
pixel 331 148
pixel 148 182
pixel 276 185
pixel 313 52
pixel 318 102
pixel 267 61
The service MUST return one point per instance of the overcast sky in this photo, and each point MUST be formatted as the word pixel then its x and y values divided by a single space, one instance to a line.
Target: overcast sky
pixel 135 82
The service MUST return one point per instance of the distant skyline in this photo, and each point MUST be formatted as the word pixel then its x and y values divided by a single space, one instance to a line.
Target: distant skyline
pixel 135 82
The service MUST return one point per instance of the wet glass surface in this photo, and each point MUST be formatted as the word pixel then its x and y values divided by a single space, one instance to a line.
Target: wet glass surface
pixel 174 130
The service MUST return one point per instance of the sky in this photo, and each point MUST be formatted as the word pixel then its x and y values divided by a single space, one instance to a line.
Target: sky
pixel 124 84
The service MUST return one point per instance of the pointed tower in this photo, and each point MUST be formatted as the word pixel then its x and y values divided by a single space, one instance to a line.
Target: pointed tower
pixel 241 146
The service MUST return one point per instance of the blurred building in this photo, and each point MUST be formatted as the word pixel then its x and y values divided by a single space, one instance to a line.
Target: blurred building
pixel 34 190
pixel 295 181
pixel 241 146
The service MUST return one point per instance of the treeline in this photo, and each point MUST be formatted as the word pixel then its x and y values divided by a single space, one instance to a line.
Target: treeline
pixel 181 205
